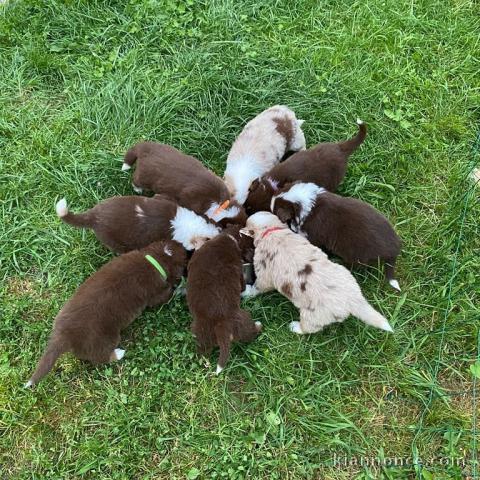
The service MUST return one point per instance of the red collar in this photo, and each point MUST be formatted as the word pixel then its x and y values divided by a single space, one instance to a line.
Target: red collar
pixel 268 231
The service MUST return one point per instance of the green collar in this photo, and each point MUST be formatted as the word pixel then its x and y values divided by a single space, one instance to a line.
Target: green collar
pixel 160 269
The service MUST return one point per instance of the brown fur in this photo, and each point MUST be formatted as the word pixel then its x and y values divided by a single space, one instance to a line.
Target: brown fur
pixel 214 284
pixel 325 164
pixel 346 227
pixel 164 169
pixel 118 225
pixel 89 324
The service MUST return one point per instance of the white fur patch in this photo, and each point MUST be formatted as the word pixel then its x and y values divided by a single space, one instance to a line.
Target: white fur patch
pixel 303 193
pixel 219 370
pixel 258 324
pixel 360 122
pixel 273 183
pixel 187 225
pixel 243 172
pixel 28 384
pixel 394 283
pixel 61 208
pixel 167 251
pixel 119 353
pixel 295 327
pixel 233 238
pixel 137 189
pixel 230 212
pixel 125 167
pixel 140 212
pixel 250 291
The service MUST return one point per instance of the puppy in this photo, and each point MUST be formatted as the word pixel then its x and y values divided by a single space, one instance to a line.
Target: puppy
pixel 325 292
pixel 214 284
pixel 346 227
pixel 89 324
pixel 324 164
pixel 261 145
pixel 128 223
pixel 164 169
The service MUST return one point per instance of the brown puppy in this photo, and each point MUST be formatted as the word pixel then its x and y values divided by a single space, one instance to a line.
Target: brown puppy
pixel 128 223
pixel 164 169
pixel 89 324
pixel 214 284
pixel 346 227
pixel 325 165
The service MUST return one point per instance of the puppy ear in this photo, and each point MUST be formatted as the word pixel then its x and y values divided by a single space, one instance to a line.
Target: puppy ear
pixel 254 185
pixel 285 214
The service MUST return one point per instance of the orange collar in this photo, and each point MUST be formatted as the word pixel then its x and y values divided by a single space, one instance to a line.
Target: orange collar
pixel 221 207
pixel 268 231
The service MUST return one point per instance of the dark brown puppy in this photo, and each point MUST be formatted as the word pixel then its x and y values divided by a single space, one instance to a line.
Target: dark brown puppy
pixel 89 324
pixel 346 227
pixel 214 284
pixel 164 169
pixel 325 165
pixel 128 223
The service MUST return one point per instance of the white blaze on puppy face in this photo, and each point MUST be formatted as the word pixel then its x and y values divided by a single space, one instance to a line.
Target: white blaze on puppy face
pixel 191 230
pixel 168 251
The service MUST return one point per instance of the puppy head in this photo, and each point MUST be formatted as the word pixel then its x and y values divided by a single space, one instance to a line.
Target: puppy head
pixel 245 242
pixel 259 222
pixel 260 194
pixel 287 212
pixel 294 203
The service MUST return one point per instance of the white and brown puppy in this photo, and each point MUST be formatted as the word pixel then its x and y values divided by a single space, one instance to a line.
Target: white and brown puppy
pixel 325 292
pixel 166 170
pixel 346 227
pixel 260 146
pixel 89 324
pixel 128 223
pixel 325 165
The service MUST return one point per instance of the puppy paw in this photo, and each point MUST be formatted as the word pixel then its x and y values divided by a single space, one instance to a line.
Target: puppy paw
pixel 250 291
pixel 219 370
pixel 29 384
pixel 137 189
pixel 258 326
pixel 119 353
pixel 295 327
pixel 394 283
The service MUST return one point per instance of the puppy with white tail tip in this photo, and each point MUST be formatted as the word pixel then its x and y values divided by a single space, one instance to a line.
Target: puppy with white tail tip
pixel 89 324
pixel 323 291
pixel 128 223
pixel 214 284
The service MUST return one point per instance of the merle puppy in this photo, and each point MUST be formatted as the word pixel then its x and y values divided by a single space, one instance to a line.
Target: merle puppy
pixel 346 227
pixel 325 165
pixel 214 284
pixel 164 169
pixel 89 324
pixel 127 223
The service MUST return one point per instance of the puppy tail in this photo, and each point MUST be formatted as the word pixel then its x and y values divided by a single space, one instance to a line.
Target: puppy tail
pixel 52 352
pixel 224 341
pixel 370 316
pixel 349 146
pixel 77 220
pixel 130 158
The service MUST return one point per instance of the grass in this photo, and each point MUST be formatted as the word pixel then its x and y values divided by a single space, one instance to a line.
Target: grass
pixel 82 81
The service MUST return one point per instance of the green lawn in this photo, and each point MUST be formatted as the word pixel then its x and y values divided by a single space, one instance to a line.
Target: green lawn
pixel 81 81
